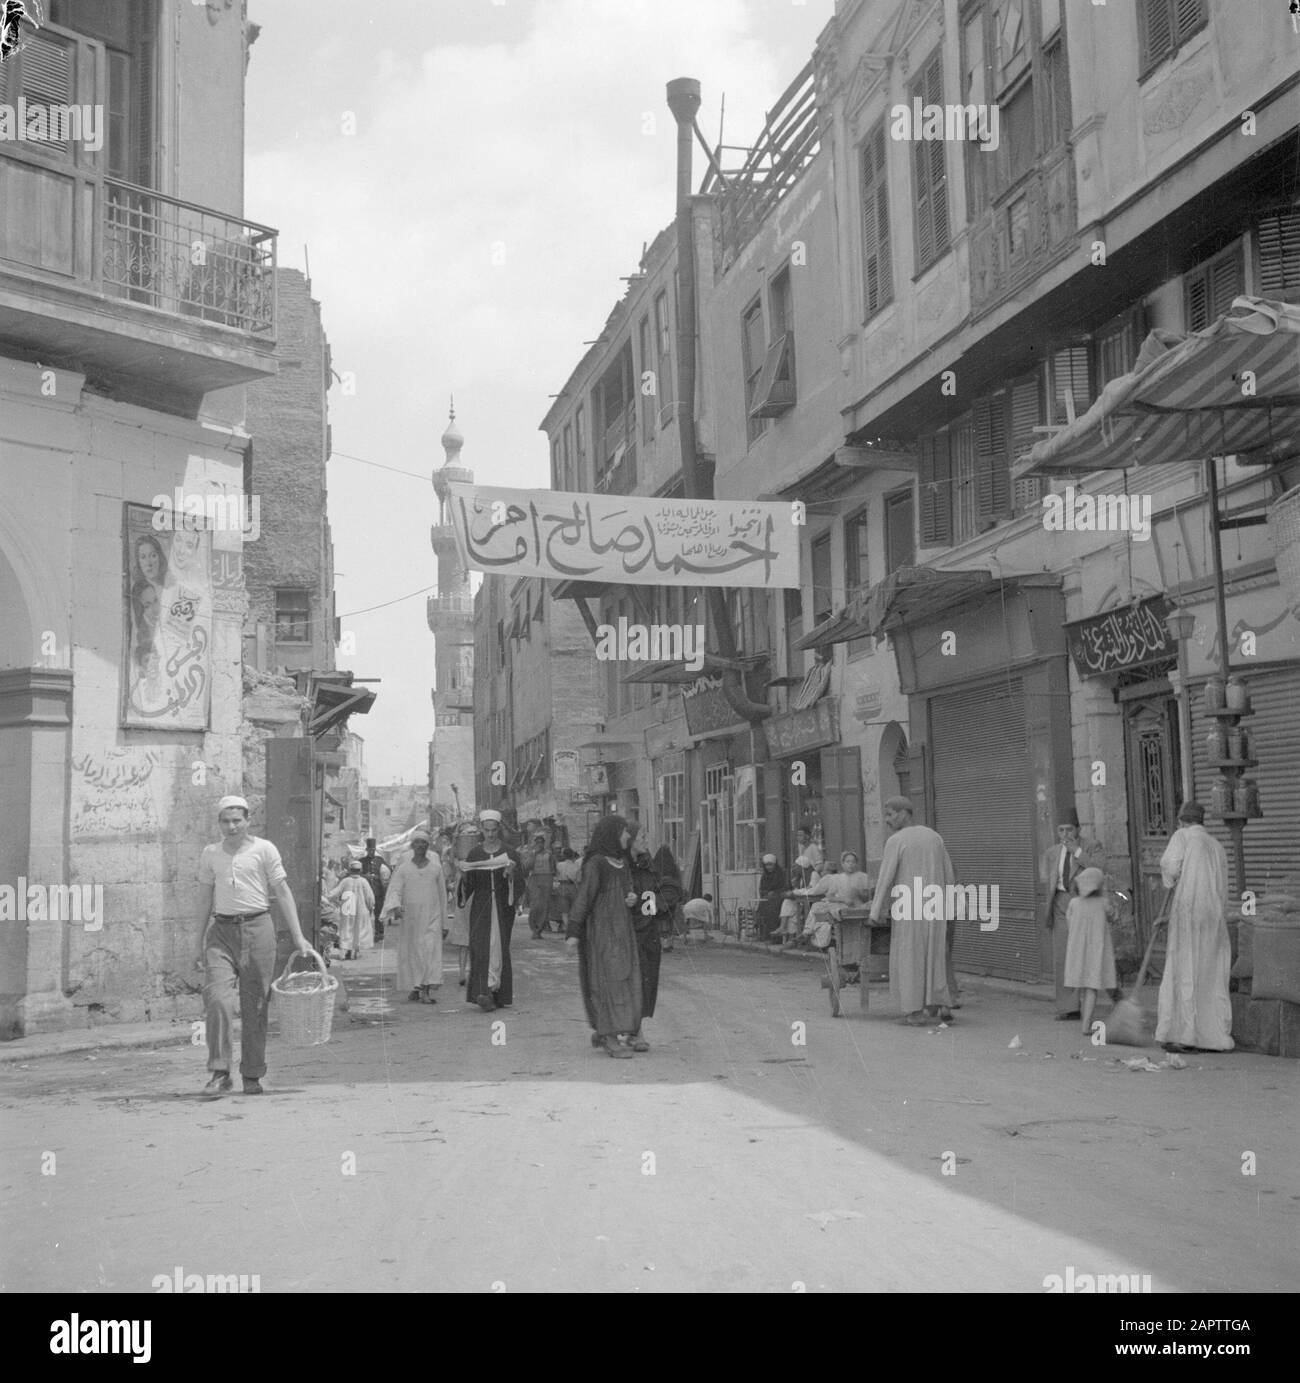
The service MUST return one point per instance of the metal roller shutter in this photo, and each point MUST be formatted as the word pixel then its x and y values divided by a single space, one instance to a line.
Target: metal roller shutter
pixel 1272 843
pixel 984 803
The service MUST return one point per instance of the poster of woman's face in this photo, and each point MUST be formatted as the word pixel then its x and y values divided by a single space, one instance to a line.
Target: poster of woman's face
pixel 166 661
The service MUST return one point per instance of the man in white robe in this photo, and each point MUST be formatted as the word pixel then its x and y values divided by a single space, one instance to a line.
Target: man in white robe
pixel 914 858
pixel 417 899
pixel 356 912
pixel 1194 1008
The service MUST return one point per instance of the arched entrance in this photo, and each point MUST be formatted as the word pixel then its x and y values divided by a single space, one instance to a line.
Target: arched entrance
pixel 895 768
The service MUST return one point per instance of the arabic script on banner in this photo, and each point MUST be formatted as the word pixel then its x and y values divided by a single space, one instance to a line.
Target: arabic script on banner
pixel 625 539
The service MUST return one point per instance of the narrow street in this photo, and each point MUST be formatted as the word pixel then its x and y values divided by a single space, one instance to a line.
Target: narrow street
pixel 728 1158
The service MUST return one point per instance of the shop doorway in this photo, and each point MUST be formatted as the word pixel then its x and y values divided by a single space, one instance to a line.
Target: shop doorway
pixel 1151 773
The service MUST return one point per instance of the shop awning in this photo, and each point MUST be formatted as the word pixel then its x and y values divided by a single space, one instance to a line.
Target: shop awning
pixel 333 701
pixel 679 674
pixel 845 624
pixel 912 594
pixel 1232 389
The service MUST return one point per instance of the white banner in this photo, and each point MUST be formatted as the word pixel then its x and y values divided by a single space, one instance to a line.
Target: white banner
pixel 629 540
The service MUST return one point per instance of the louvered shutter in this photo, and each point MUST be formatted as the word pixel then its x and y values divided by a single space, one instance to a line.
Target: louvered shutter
pixel 878 278
pixel 992 482
pixel 1026 415
pixel 1155 30
pixel 143 101
pixel 924 221
pixel 1227 281
pixel 1279 255
pixel 45 73
pixel 1188 16
pixel 929 170
pixel 1196 305
pixel 935 476
pixel 1071 378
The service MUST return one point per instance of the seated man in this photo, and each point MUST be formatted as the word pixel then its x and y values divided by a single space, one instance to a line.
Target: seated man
pixel 699 912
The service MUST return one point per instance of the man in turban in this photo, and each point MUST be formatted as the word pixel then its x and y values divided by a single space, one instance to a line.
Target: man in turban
pixel 491 884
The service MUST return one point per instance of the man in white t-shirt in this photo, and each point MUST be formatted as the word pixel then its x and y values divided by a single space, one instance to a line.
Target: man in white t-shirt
pixel 237 880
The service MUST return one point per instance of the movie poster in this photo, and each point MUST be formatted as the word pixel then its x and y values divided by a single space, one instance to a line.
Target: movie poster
pixel 167 654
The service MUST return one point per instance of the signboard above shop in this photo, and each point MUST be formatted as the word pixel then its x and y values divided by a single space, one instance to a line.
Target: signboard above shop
pixel 1131 637
pixel 628 540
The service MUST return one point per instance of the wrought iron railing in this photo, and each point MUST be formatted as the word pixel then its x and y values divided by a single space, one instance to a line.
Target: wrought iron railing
pixel 187 259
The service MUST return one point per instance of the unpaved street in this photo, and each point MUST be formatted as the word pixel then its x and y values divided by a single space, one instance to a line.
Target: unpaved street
pixel 413 1153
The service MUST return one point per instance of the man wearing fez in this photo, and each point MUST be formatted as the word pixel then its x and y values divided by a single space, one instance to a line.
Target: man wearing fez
pixel 491 884
pixel 238 877
pixel 1059 868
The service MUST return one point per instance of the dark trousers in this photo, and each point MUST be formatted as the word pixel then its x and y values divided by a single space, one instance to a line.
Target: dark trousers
pixel 240 958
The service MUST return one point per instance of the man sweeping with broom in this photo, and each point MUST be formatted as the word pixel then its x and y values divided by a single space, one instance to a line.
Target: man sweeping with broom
pixel 1195 1012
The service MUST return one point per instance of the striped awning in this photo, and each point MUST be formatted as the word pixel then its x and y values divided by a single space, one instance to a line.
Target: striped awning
pixel 1232 389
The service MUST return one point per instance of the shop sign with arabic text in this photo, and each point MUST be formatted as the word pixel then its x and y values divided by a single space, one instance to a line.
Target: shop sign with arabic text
pixel 1119 639
pixel 625 539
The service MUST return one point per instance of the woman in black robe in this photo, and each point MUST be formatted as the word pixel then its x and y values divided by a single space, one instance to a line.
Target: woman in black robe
pixel 601 931
pixel 772 886
pixel 666 867
pixel 655 897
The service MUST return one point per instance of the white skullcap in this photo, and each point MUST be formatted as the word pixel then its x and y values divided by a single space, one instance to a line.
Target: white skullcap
pixel 769 859
pixel 231 802
pixel 489 815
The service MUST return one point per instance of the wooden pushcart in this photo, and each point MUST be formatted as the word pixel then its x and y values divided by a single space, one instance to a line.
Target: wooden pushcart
pixel 856 955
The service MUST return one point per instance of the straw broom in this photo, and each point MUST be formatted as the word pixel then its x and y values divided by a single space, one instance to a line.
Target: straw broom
pixel 1126 1024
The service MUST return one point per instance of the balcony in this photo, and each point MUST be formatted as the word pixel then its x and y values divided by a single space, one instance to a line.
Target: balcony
pixel 159 299
pixel 446 612
pixel 1024 232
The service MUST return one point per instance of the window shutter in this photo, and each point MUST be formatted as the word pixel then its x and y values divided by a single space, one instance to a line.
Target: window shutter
pixel 924 220
pixel 1071 376
pixel 1026 415
pixel 145 87
pixel 1155 30
pixel 935 478
pixel 878 275
pixel 992 481
pixel 1196 300
pixel 937 160
pixel 1279 255
pixel 1227 281
pixel 45 72
pixel 1188 16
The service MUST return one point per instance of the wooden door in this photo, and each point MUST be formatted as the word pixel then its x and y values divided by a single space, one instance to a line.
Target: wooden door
pixel 1151 756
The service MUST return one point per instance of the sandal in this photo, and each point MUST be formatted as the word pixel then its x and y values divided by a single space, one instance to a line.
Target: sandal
pixel 638 1043
pixel 616 1049
pixel 911 1020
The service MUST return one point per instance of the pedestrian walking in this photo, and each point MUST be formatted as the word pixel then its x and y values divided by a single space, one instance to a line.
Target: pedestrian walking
pixel 1194 1010
pixel 377 874
pixel 772 886
pixel 1090 952
pixel 490 886
pixel 915 857
pixel 655 896
pixel 539 867
pixel 356 913
pixel 602 933
pixel 670 925
pixel 416 901
pixel 457 934
pixel 1059 868
pixel 236 951
pixel 568 869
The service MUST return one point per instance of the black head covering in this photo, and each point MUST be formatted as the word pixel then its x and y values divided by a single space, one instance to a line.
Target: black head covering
pixel 606 839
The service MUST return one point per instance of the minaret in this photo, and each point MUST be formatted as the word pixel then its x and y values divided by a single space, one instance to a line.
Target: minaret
pixel 451 618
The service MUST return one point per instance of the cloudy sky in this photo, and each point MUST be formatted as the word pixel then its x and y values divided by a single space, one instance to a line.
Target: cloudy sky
pixel 469 180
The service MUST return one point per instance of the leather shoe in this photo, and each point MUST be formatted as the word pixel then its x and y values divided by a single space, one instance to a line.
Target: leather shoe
pixel 253 1086
pixel 1066 1017
pixel 220 1084
pixel 486 1002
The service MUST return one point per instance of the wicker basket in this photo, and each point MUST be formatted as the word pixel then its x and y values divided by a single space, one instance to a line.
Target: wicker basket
pixel 1284 526
pixel 305 1004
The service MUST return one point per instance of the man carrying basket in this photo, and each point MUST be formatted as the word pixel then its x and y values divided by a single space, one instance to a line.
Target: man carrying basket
pixel 238 877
